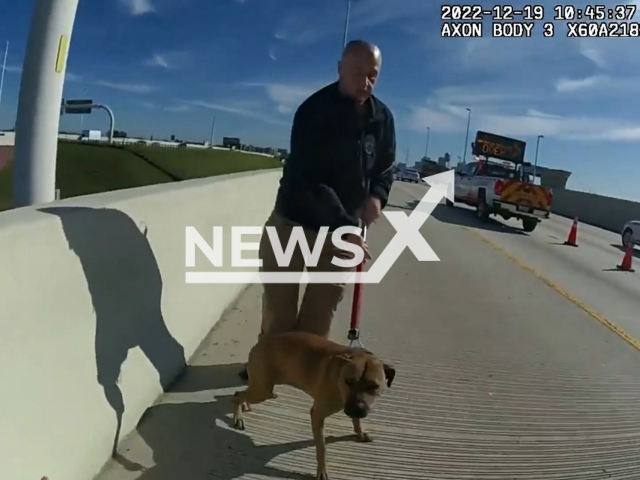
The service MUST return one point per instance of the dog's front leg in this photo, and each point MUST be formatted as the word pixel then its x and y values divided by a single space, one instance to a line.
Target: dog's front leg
pixel 318 417
pixel 361 435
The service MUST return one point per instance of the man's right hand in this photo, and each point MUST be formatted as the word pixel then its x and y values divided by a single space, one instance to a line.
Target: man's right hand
pixel 358 240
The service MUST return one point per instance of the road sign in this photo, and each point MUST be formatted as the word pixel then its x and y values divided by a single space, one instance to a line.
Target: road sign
pixel 77 107
pixel 503 148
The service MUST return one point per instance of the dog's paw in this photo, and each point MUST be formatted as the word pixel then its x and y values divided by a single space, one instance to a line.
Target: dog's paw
pixel 239 423
pixel 322 474
pixel 246 407
pixel 364 438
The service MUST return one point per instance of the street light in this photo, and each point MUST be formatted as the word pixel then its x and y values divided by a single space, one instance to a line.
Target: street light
pixel 426 149
pixel 346 24
pixel 535 162
pixel 466 139
pixel 4 67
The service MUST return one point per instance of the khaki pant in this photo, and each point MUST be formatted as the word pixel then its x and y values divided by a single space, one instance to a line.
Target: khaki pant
pixel 280 311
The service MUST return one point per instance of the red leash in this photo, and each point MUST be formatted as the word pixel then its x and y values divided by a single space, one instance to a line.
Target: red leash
pixel 354 326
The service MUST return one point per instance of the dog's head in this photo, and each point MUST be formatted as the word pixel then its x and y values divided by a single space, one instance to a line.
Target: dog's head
pixel 363 378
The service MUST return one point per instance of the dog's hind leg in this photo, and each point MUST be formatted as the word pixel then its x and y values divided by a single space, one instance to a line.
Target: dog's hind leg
pixel 244 399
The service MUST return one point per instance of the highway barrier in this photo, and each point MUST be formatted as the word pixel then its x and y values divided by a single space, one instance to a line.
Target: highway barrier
pixel 600 211
pixel 97 318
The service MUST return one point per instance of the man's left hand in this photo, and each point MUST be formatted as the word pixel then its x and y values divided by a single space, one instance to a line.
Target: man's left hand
pixel 371 211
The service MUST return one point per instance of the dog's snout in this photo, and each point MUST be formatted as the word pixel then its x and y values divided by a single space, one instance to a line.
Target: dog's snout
pixel 356 410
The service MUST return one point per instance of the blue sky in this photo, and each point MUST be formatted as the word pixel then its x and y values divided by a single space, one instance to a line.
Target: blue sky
pixel 168 66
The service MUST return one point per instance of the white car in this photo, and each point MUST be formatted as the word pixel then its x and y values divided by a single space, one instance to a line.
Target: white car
pixel 409 175
pixel 631 233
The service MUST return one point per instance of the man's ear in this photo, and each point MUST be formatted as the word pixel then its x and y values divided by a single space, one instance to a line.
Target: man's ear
pixel 389 373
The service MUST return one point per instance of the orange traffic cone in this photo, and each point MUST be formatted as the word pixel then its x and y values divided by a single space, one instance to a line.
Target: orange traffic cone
pixel 572 239
pixel 627 260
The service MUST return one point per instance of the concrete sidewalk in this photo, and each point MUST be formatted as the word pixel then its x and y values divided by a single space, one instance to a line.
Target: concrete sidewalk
pixel 498 377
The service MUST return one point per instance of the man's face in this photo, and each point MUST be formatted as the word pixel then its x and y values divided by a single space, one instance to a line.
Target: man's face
pixel 358 72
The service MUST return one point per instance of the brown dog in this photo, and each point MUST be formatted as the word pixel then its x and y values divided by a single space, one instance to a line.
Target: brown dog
pixel 335 376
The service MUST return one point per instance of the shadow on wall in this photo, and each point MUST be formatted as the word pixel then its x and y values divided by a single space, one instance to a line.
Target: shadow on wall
pixel 125 285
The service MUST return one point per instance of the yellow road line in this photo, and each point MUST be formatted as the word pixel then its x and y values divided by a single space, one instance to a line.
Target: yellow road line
pixel 590 311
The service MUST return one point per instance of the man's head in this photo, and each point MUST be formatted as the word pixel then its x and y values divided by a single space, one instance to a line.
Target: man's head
pixel 358 69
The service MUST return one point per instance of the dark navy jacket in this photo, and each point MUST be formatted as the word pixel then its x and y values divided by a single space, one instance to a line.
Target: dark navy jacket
pixel 333 165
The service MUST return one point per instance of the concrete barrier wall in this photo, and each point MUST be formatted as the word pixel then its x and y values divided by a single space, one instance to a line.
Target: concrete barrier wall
pixel 96 316
pixel 8 139
pixel 597 210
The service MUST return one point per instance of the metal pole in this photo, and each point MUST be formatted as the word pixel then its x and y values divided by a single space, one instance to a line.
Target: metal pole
pixel 112 120
pixel 4 67
pixel 535 162
pixel 466 139
pixel 346 24
pixel 426 149
pixel 213 129
pixel 38 118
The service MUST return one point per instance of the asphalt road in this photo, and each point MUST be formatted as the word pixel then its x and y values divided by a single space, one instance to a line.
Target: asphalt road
pixel 500 377
pixel 586 273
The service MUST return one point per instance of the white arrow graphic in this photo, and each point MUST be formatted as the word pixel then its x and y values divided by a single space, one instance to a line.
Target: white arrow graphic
pixel 407 236
pixel 408 228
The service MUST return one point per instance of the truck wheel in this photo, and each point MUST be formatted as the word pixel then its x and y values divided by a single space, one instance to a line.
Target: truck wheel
pixel 529 224
pixel 626 238
pixel 482 209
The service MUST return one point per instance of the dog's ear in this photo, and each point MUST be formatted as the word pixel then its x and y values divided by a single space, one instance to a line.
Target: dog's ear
pixel 389 373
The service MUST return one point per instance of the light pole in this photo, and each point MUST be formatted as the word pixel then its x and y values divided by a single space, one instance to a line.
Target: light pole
pixel 466 138
pixel 4 67
pixel 535 162
pixel 426 148
pixel 38 118
pixel 346 24
pixel 213 130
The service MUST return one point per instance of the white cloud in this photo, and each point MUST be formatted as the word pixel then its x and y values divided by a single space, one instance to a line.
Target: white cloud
pixel 569 85
pixel 167 60
pixel 306 25
pixel 287 97
pixel 595 56
pixel 126 87
pixel 181 108
pixel 599 84
pixel 508 113
pixel 72 77
pixel 178 108
pixel 245 109
pixel 157 61
pixel 138 7
pixel 531 123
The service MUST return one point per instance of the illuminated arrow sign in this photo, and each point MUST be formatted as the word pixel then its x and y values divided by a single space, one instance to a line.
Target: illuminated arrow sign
pixel 496 146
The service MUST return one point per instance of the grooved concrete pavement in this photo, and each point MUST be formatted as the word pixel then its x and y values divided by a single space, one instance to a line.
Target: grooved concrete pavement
pixel 499 378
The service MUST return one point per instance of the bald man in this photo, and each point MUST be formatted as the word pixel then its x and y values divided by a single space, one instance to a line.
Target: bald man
pixel 339 172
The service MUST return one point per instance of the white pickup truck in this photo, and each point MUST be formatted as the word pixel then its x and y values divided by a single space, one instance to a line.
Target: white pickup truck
pixel 501 188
